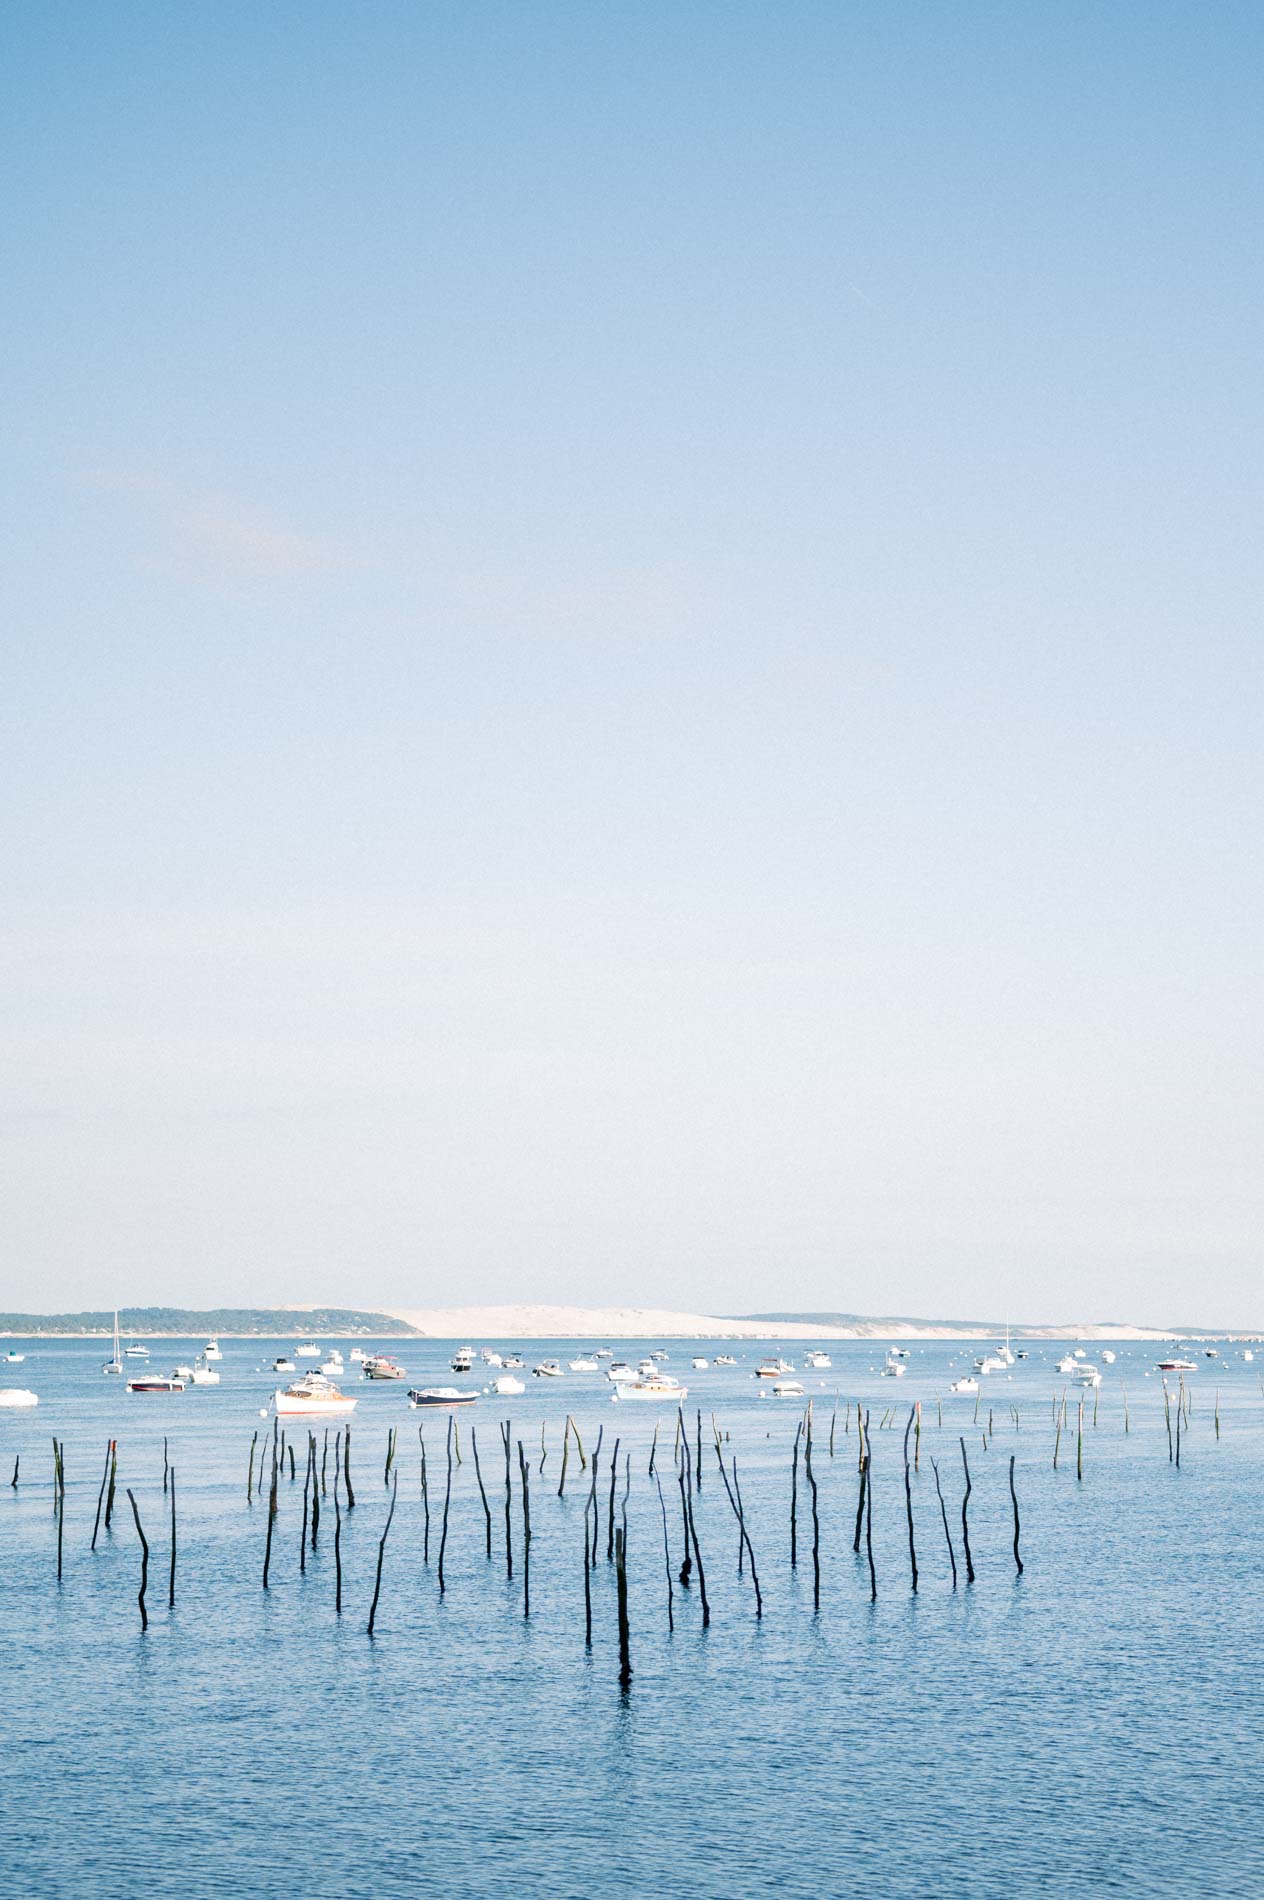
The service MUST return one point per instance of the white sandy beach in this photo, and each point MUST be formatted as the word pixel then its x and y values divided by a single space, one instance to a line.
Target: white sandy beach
pixel 645 1322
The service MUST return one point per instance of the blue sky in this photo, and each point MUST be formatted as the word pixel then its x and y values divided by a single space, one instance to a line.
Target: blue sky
pixel 633 663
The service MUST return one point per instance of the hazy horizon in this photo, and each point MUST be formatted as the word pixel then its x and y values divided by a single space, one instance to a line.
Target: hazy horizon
pixel 633 668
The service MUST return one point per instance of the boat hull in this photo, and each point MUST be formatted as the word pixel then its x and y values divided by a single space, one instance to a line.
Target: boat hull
pixel 288 1407
pixel 652 1392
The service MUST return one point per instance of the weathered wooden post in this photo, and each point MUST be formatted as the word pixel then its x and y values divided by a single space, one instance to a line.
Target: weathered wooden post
pixel 965 1523
pixel 908 1500
pixel 621 1593
pixel 381 1552
pixel 171 1574
pixel 526 1531
pixel 478 1473
pixel 144 1563
pixel 1014 1501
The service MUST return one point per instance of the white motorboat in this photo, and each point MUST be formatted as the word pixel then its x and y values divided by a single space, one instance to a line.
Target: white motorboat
pixel 656 1386
pixel 603 1352
pixel 507 1387
pixel 115 1362
pixel 1177 1365
pixel 1086 1374
pixel 332 1367
pixel 1248 1355
pixel 583 1365
pixel 966 1384
pixel 211 1351
pixel 17 1396
pixel 308 1350
pixel 787 1389
pixel 382 1367
pixel 773 1369
pixel 491 1358
pixel 991 1362
pixel 725 1359
pixel 283 1364
pixel 448 1395
pixel 817 1361
pixel 512 1361
pixel 1067 1363
pixel 314 1394
pixel 699 1365
pixel 894 1369
pixel 463 1359
pixel 182 1372
pixel 155 1382
pixel 660 1355
pixel 1109 1357
pixel 202 1374
pixel 357 1355
pixel 547 1369
pixel 1209 1352
pixel 134 1350
pixel 619 1374
pixel 13 1358
pixel 896 1352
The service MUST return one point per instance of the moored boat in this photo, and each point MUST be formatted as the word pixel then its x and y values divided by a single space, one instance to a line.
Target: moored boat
pixel 463 1359
pixel 17 1396
pixel 115 1362
pixel 547 1369
pixel 507 1387
pixel 788 1389
pixel 155 1382
pixel 211 1351
pixel 448 1395
pixel 308 1350
pixel 967 1384
pixel 583 1365
pixel 773 1369
pixel 1177 1365
pixel 313 1394
pixel 654 1386
pixel 382 1366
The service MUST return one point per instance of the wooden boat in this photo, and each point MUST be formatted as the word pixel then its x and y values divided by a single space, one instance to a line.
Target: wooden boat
pixel 314 1394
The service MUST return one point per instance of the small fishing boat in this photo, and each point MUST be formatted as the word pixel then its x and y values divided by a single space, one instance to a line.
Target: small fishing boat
pixel 894 1367
pixel 547 1369
pixel 283 1364
pixel 773 1369
pixel 583 1365
pixel 658 1385
pixel 17 1396
pixel 357 1355
pixel 991 1362
pixel 619 1373
pixel 512 1361
pixel 202 1374
pixel 603 1352
pixel 1248 1355
pixel 896 1352
pixel 966 1384
pixel 1109 1357
pixel 1209 1352
pixel 115 1362
pixel 463 1359
pixel 489 1357
pixel 155 1382
pixel 817 1361
pixel 699 1365
pixel 507 1387
pixel 332 1366
pixel 1086 1374
pixel 211 1350
pixel 314 1394
pixel 182 1372
pixel 1177 1365
pixel 308 1350
pixel 447 1395
pixel 787 1389
pixel 660 1355
pixel 725 1359
pixel 12 1358
pixel 1067 1363
pixel 382 1366
pixel 134 1350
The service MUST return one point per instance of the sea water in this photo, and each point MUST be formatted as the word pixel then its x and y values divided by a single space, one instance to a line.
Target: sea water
pixel 1091 1727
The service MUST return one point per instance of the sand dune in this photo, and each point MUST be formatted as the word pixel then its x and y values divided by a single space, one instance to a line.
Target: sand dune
pixel 645 1322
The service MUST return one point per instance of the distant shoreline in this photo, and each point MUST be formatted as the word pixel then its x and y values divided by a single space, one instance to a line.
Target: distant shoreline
pixel 477 1324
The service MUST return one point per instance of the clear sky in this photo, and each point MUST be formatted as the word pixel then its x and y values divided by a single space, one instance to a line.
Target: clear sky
pixel 632 658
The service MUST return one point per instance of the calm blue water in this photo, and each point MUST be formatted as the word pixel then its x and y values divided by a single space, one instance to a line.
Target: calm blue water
pixel 1093 1728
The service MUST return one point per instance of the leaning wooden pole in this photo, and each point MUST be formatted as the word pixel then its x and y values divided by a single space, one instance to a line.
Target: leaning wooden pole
pixel 965 1522
pixel 381 1552
pixel 1013 1494
pixel 171 1573
pixel 526 1531
pixel 144 1562
pixel 908 1500
pixel 482 1490
pixel 943 1512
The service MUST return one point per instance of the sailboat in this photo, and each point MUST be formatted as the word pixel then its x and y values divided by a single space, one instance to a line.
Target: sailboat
pixel 114 1364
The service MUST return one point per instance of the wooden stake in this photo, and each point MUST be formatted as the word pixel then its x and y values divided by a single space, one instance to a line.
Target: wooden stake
pixel 908 1498
pixel 526 1531
pixel 171 1574
pixel 1014 1501
pixel 621 1594
pixel 381 1552
pixel 447 1499
pixel 144 1563
pixel 943 1512
pixel 965 1522
pixel 478 1473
